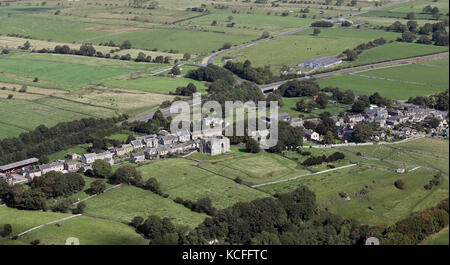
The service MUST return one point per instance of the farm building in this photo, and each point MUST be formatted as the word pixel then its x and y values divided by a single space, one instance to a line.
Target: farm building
pixel 16 166
pixel 322 62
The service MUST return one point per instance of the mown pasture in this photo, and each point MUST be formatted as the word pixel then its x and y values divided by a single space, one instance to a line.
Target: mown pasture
pixel 383 203
pixel 293 49
pixel 394 51
pixel 387 88
pixel 182 178
pixel 127 202
pixel 156 84
pixel 67 72
pixel 256 168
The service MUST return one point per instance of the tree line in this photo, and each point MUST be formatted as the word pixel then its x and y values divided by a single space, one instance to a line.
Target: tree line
pixel 437 101
pixel 44 141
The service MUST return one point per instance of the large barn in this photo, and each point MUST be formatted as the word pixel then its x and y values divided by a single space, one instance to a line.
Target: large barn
pixel 17 166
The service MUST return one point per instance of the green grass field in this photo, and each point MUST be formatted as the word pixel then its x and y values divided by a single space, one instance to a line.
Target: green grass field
pixel 156 84
pixel 293 49
pixel 89 231
pixel 419 73
pixel 441 238
pixel 22 220
pixel 181 178
pixel 256 168
pixel 5 11
pixel 390 89
pixel 395 50
pixel 30 114
pixel 7 131
pixel 190 41
pixel 389 204
pixel 127 202
pixel 49 28
pixel 67 72
pixel 62 154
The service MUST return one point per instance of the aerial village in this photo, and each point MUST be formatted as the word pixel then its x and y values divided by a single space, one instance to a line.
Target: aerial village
pixel 213 142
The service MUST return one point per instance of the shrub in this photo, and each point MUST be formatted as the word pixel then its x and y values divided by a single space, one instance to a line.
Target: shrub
pixel 400 184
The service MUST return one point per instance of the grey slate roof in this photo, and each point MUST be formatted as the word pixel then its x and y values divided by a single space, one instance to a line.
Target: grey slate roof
pixel 19 164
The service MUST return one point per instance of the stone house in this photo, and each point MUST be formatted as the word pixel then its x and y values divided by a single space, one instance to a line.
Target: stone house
pixel 137 144
pixel 54 166
pixel 311 135
pixel 128 147
pixel 88 158
pixel 137 157
pixel 150 141
pixel 183 136
pixel 168 139
pixel 31 173
pixel 163 150
pixel 150 153
pixel 73 156
pixel 71 166
pixel 120 151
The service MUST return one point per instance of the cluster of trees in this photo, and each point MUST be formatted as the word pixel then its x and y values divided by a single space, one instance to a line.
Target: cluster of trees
pixel 378 100
pixel 50 185
pixel 437 101
pixel 353 54
pixel 161 231
pixel 211 73
pixel 400 184
pixel 296 88
pixel 346 97
pixel 188 90
pixel 202 205
pixel 434 11
pixel 87 49
pixel 438 32
pixel 317 160
pixel 288 219
pixel 252 146
pixel 152 126
pixel 322 24
pixel 325 125
pixel 362 132
pixel 259 75
pixel 415 228
pixel 43 141
pixel 434 182
pixel 222 91
pixel 364 101
pixel 288 137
